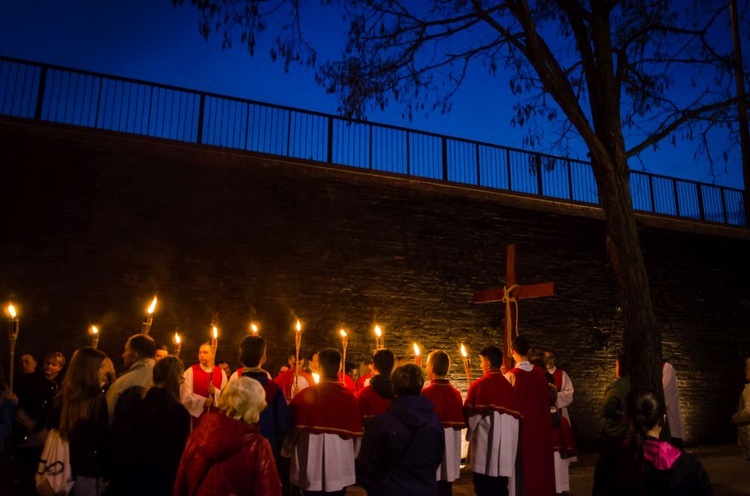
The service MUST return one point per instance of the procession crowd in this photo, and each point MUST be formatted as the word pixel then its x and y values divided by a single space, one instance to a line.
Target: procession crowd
pixel 318 426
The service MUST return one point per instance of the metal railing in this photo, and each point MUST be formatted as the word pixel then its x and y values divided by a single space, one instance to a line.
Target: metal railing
pixel 81 98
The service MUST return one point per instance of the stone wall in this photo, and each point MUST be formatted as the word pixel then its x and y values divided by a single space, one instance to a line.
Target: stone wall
pixel 96 223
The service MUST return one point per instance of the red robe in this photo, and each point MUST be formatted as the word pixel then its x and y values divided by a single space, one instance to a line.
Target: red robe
pixel 361 381
pixel 371 403
pixel 347 381
pixel 493 392
pixel 447 401
pixel 536 432
pixel 326 408
pixel 286 380
pixel 558 376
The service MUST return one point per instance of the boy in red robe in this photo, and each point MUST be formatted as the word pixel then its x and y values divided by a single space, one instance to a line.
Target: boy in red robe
pixel 325 422
pixel 376 398
pixel 537 475
pixel 202 385
pixel 492 417
pixel 286 379
pixel 449 406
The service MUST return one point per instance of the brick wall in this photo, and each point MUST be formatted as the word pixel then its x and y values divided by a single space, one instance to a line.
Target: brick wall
pixel 96 223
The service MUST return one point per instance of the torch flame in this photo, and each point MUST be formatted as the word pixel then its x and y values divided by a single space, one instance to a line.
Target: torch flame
pixel 343 333
pixel 416 350
pixel 463 351
pixel 378 333
pixel 299 326
pixel 215 332
pixel 254 328
pixel 316 377
pixel 12 311
pixel 177 338
pixel 94 330
pixel 152 306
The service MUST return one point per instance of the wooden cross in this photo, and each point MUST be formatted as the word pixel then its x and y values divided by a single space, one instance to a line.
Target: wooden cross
pixel 510 294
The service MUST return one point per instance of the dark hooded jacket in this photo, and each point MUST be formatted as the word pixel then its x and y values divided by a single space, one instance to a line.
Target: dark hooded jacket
pixel 226 456
pixel 670 471
pixel 402 449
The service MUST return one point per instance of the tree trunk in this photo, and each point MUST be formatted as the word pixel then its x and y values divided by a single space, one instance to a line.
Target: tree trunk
pixel 641 337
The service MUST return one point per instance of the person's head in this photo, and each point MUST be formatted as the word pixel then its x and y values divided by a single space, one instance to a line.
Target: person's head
pixel 292 359
pixel 549 359
pixel 644 413
pixel 53 364
pixel 81 385
pixel 168 375
pixel 314 363
pixel 383 361
pixel 350 368
pixel 491 358
pixel 329 362
pixel 438 363
pixel 622 365
pixel 253 351
pixel 243 400
pixel 537 358
pixel 138 347
pixel 28 364
pixel 520 346
pixel 161 352
pixel 205 354
pixel 407 380
pixel 224 366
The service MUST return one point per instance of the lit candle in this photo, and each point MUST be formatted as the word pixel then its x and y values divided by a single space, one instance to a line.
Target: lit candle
pixel 316 377
pixel 378 336
pixel 94 337
pixel 149 317
pixel 417 355
pixel 178 344
pixel 12 337
pixel 297 343
pixel 344 343
pixel 214 343
pixel 254 329
pixel 467 363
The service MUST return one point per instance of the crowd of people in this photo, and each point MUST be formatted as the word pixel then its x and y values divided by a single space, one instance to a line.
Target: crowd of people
pixel 320 426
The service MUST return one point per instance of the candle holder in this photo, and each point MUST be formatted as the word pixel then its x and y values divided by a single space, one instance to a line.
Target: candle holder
pixel 146 327
pixel 417 355
pixel 94 337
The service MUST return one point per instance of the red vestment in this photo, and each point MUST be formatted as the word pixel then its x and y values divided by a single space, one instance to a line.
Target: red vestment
pixel 558 376
pixel 371 403
pixel 326 408
pixel 347 381
pixel 201 381
pixel 447 401
pixel 361 381
pixel 563 440
pixel 536 432
pixel 286 380
pixel 493 392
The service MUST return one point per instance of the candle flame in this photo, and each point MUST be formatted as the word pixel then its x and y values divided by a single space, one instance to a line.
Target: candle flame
pixel 343 333
pixel 463 351
pixel 12 311
pixel 177 338
pixel 254 328
pixel 416 349
pixel 152 306
pixel 94 330
pixel 215 332
pixel 299 326
pixel 378 333
pixel 316 377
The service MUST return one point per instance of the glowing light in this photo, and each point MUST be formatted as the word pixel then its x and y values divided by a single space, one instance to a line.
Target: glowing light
pixel 416 350
pixel 463 351
pixel 152 306
pixel 177 338
pixel 254 329
pixel 299 326
pixel 12 311
pixel 316 377
pixel 343 333
pixel 94 330
pixel 378 332
pixel 215 332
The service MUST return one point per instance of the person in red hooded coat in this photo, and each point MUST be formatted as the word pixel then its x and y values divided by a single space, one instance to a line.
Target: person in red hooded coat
pixel 226 454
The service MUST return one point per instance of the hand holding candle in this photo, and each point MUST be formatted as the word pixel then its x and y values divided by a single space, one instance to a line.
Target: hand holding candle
pixel 417 355
pixel 146 328
pixel 94 337
pixel 344 343
pixel 12 337
pixel 467 363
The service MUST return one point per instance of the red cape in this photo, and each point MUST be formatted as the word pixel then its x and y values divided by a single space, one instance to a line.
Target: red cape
pixel 371 403
pixel 286 379
pixel 493 392
pixel 447 401
pixel 348 382
pixel 326 408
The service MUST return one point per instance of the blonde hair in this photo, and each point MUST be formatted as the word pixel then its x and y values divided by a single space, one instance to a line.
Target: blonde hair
pixel 243 400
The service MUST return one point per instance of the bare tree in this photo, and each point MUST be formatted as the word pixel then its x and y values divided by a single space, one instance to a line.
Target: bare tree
pixel 600 69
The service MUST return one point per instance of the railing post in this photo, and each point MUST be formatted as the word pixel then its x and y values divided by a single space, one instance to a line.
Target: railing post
pixel 330 139
pixel 40 94
pixel 289 133
pixel 369 159
pixel 479 166
pixel 507 166
pixel 570 179
pixel 676 198
pixel 651 192
pixel 201 109
pixel 701 210
pixel 408 154
pixel 445 158
pixel 539 189
pixel 724 206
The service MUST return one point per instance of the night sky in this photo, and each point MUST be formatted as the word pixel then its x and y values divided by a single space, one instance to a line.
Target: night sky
pixel 154 41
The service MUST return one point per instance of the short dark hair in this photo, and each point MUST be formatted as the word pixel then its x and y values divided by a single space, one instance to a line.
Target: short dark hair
pixel 440 361
pixel 521 345
pixel 143 345
pixel 163 347
pixel 329 360
pixel 494 355
pixel 383 361
pixel 407 380
pixel 252 349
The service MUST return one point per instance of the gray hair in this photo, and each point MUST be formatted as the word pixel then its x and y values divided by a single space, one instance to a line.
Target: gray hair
pixel 243 399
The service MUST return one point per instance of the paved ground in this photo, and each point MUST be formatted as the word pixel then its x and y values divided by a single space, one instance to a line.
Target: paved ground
pixel 728 471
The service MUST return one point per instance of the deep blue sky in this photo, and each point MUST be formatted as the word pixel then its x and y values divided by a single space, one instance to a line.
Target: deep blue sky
pixel 154 41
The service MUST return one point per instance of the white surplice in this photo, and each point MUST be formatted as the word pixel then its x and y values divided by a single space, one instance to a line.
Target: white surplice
pixel 194 403
pixel 322 462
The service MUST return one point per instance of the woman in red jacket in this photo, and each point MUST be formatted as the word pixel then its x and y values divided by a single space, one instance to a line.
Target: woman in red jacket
pixel 226 453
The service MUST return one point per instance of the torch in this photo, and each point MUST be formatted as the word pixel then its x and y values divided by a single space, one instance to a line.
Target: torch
pixel 149 317
pixel 12 337
pixel 297 343
pixel 254 329
pixel 344 343
pixel 378 337
pixel 467 363
pixel 417 355
pixel 94 337
pixel 178 344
